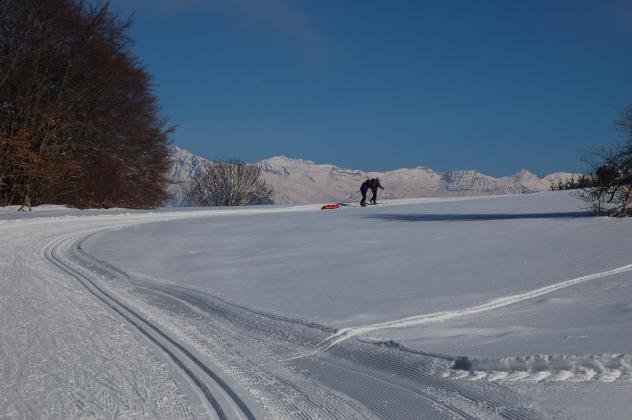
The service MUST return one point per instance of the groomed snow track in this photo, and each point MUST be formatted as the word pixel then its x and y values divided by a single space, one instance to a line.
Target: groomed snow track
pixel 237 362
pixel 219 396
pixel 355 379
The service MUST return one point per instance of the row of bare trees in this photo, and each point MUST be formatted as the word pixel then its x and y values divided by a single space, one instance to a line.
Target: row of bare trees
pixel 79 122
pixel 573 183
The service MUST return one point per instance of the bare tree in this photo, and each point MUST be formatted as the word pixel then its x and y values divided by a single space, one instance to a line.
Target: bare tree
pixel 611 173
pixel 229 183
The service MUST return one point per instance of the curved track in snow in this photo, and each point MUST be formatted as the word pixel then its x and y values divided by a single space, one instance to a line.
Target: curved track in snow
pixel 123 346
pixel 373 380
pixel 223 400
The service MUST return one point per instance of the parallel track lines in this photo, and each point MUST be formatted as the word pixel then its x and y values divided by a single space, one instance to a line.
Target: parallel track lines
pixel 387 383
pixel 175 351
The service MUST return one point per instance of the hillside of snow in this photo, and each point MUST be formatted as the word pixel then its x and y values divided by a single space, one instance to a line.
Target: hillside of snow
pixel 517 286
pixel 514 306
pixel 298 181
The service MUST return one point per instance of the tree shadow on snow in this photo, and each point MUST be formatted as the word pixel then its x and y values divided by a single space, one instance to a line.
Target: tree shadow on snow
pixel 476 217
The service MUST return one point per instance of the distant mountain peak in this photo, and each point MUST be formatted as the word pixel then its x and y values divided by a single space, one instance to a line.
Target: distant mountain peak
pixel 300 181
pixel 524 173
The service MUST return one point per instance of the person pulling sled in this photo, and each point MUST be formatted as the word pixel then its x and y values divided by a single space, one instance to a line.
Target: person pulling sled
pixel 373 184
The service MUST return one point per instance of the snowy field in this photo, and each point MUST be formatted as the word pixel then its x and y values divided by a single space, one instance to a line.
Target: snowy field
pixel 513 307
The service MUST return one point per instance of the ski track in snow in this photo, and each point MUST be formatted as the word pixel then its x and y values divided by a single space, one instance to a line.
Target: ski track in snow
pixel 497 303
pixel 385 382
pixel 62 353
pixel 228 405
pixel 82 338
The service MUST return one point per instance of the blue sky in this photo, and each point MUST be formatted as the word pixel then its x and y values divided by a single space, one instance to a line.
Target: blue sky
pixel 491 85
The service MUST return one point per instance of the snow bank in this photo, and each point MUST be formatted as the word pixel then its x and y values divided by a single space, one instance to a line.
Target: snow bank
pixel 604 368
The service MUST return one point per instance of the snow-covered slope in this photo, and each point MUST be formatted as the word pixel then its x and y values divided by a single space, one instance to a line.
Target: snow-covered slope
pixel 515 285
pixel 298 181
pixel 458 307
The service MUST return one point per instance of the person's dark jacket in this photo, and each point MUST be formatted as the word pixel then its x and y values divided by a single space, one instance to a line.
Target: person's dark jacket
pixel 375 184
pixel 366 185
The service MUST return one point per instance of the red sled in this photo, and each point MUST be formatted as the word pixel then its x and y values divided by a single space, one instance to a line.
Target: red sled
pixel 330 206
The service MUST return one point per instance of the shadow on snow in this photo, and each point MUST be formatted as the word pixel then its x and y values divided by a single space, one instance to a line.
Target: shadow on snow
pixel 476 217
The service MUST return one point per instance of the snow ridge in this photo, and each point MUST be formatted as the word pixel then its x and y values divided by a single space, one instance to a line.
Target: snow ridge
pixel 539 368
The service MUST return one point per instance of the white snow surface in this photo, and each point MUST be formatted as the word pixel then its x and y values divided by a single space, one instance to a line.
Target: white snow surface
pixel 356 267
pixel 521 298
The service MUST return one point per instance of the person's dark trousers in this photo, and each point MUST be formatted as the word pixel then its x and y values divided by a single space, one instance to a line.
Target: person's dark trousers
pixel 363 201
pixel 374 198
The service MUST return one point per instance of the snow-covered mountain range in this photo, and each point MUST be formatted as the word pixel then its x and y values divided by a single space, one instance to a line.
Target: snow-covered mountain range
pixel 298 181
